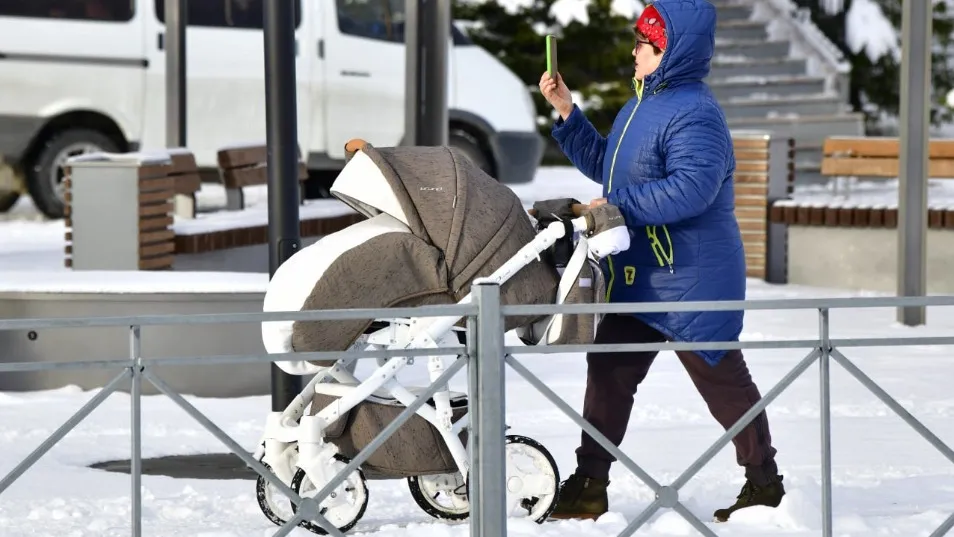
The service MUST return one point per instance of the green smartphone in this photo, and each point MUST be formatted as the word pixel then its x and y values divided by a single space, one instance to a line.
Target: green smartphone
pixel 552 56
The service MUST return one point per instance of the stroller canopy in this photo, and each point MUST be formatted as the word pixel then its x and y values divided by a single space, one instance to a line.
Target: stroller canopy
pixel 443 199
pixel 435 223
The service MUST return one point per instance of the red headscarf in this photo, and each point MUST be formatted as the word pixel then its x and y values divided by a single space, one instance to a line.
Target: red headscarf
pixel 651 25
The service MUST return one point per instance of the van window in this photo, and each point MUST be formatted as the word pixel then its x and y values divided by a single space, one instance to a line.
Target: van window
pixel 87 10
pixel 374 19
pixel 381 19
pixel 226 13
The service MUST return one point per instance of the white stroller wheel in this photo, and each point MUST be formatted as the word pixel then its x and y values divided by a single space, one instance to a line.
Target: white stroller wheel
pixel 442 496
pixel 274 505
pixel 533 479
pixel 353 492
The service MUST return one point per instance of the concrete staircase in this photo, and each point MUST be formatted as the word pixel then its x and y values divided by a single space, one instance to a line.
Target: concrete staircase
pixel 773 73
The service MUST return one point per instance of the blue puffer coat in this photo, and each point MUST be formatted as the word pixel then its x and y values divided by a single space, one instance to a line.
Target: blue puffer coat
pixel 668 165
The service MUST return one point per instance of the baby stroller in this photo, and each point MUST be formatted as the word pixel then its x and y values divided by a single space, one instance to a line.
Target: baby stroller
pixel 435 223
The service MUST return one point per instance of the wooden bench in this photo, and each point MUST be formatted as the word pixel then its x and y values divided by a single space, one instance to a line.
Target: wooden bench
pixel 247 165
pixel 875 158
pixel 880 157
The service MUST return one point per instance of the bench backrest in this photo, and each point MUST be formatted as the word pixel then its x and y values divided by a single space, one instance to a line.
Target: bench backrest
pixel 880 157
pixel 247 165
pixel 184 171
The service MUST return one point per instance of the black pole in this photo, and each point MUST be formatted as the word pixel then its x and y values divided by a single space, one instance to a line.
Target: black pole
pixel 282 139
pixel 427 33
pixel 176 17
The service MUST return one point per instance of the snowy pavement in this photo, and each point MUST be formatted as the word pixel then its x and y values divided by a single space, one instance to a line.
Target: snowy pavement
pixel 887 480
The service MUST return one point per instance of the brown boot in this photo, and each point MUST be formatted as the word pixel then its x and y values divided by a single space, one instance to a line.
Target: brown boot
pixel 769 495
pixel 581 497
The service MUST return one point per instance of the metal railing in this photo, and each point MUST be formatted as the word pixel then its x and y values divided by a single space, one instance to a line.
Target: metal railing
pixel 487 357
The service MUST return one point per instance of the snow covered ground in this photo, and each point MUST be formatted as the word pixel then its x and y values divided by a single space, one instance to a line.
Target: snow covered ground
pixel 887 480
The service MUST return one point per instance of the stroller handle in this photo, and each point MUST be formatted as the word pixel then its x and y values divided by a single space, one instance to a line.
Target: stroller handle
pixel 577 209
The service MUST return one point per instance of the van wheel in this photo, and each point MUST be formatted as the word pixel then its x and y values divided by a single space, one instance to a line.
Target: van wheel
pixel 45 176
pixel 8 198
pixel 470 146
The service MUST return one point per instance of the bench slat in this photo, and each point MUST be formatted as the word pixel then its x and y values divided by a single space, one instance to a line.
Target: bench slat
pixel 882 146
pixel 254 175
pixel 881 167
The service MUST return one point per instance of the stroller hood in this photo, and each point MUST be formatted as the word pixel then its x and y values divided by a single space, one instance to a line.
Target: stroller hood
pixel 441 196
pixel 435 223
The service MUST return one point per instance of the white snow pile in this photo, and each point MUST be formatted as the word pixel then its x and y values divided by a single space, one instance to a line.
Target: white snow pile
pixel 868 29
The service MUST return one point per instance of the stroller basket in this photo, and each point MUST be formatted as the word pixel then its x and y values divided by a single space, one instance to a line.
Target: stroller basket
pixel 415 449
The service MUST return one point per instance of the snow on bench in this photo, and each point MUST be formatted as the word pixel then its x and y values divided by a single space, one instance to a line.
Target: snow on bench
pixel 865 185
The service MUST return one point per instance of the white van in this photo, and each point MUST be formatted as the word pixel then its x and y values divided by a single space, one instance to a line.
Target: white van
pixel 82 75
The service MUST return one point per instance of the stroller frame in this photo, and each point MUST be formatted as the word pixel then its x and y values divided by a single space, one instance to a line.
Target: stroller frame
pixel 294 443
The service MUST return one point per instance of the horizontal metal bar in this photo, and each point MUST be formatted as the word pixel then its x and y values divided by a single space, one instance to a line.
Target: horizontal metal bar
pixel 11 367
pixel 219 359
pixel 466 310
pixel 302 356
pixel 441 310
pixel 893 341
pixel 665 346
pixel 729 305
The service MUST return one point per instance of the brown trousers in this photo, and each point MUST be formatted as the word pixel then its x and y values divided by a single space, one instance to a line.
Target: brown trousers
pixel 612 379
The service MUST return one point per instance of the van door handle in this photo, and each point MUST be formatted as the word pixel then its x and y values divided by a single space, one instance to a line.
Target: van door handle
pixel 160 41
pixel 363 74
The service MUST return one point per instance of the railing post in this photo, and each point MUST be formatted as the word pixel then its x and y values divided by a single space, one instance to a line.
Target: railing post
pixel 824 368
pixel 473 410
pixel 489 428
pixel 135 428
pixel 776 237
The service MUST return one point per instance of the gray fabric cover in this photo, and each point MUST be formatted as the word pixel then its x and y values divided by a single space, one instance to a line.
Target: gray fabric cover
pixel 393 269
pixel 464 225
pixel 589 288
pixel 415 449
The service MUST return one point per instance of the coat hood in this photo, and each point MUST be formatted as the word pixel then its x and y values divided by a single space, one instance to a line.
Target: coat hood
pixel 690 30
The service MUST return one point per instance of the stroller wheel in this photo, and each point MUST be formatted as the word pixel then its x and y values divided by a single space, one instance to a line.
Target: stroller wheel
pixel 274 505
pixel 442 496
pixel 346 504
pixel 533 479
